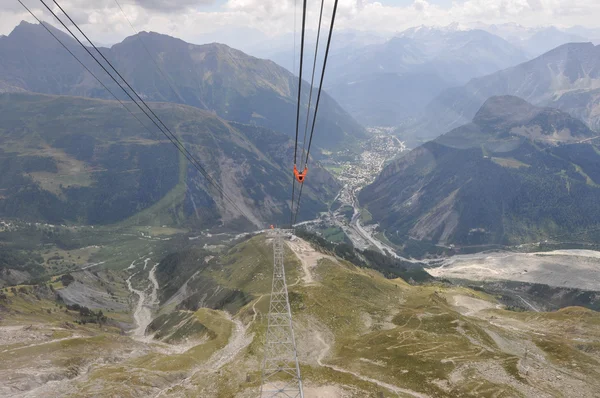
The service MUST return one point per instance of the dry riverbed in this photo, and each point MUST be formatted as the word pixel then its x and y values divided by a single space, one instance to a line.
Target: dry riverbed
pixel 578 269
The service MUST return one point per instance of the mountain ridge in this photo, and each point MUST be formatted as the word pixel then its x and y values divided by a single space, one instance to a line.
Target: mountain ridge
pixel 504 178
pixel 213 77
pixel 571 70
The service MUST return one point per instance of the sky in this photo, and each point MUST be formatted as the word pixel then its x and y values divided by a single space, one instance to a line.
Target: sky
pixel 251 22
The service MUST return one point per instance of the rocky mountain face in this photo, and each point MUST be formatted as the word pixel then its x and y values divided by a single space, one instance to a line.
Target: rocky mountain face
pixel 89 161
pixel 516 173
pixel 386 84
pixel 212 77
pixel 567 78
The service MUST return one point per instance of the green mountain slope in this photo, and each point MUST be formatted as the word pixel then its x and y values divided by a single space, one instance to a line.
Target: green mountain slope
pixel 213 77
pixel 89 161
pixel 358 335
pixel 516 173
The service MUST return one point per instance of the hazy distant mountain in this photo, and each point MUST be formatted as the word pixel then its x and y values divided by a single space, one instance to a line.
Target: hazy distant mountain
pixel 538 40
pixel 214 77
pixel 591 34
pixel 516 173
pixel 389 98
pixel 344 42
pixel 459 55
pixel 388 83
pixel 89 161
pixel 548 38
pixel 567 77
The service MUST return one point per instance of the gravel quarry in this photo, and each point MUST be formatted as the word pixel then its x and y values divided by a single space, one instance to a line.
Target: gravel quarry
pixel 578 269
pixel 308 256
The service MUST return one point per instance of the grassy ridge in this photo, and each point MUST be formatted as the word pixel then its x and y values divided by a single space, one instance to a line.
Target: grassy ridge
pixel 356 330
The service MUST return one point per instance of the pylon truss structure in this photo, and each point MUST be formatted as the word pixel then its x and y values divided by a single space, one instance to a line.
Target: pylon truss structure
pixel 280 372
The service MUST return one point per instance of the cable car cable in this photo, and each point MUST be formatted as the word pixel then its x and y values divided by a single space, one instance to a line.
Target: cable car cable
pixel 98 80
pixel 322 77
pixel 298 105
pixel 312 80
pixel 317 103
pixel 174 140
pixel 300 76
pixel 164 75
pixel 84 66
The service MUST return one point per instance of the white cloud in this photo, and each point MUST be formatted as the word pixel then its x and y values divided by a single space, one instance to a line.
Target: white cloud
pixel 420 5
pixel 187 19
pixel 171 6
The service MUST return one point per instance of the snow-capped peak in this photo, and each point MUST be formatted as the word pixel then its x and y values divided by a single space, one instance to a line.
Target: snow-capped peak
pixel 423 30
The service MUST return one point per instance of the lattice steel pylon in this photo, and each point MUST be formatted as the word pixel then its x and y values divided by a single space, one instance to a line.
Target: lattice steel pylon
pixel 280 371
